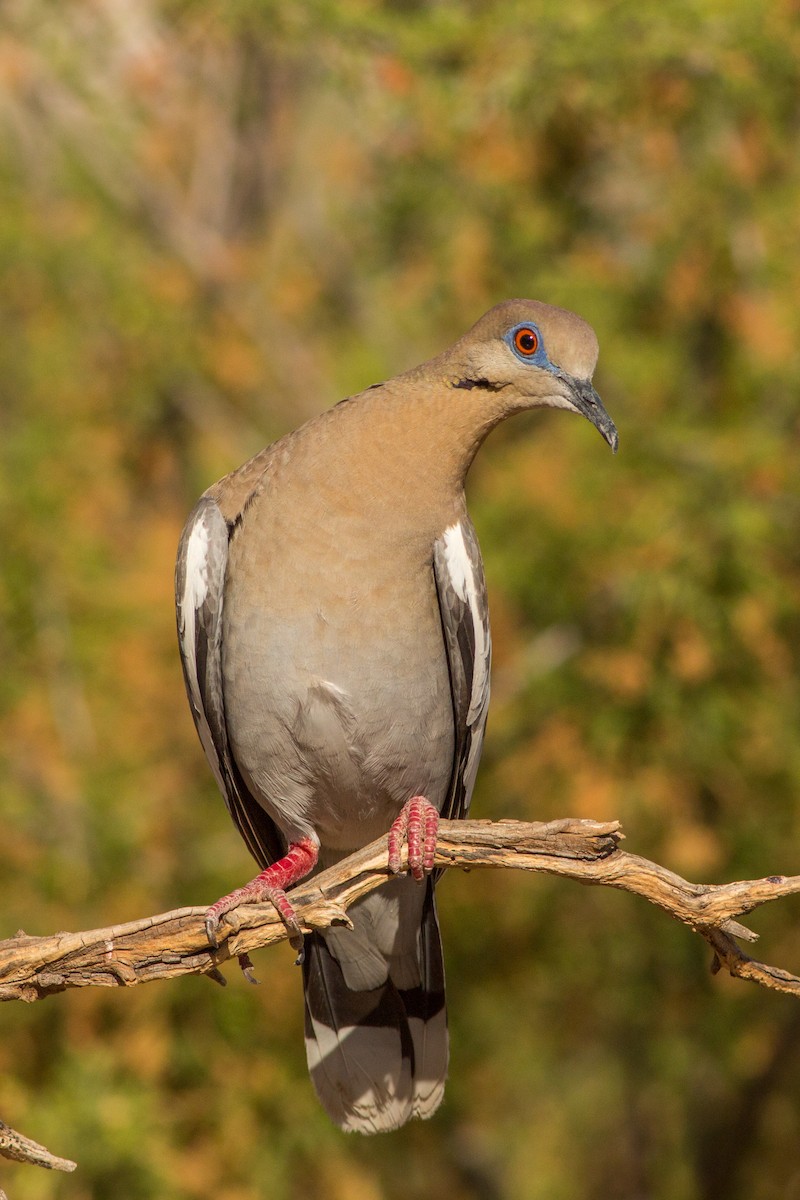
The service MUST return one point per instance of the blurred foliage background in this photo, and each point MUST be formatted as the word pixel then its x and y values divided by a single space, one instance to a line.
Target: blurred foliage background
pixel 217 220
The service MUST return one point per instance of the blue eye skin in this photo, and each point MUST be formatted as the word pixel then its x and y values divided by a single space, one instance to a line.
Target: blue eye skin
pixel 525 341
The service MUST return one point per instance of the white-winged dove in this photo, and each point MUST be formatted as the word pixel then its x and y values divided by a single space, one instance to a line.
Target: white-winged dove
pixel 335 641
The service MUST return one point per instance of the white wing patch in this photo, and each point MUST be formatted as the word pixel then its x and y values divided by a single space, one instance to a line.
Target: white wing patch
pixel 462 577
pixel 196 588
pixel 457 559
pixel 200 557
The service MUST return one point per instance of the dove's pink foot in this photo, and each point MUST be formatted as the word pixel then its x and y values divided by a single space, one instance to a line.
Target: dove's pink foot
pixel 417 825
pixel 299 859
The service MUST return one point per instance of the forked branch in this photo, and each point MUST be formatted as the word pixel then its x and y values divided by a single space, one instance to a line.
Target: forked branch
pixel 175 943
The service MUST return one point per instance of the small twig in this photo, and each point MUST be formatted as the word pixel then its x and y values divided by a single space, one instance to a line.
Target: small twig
pixel 21 1149
pixel 174 943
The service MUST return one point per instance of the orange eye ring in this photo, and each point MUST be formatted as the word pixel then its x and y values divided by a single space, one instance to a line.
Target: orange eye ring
pixel 526 341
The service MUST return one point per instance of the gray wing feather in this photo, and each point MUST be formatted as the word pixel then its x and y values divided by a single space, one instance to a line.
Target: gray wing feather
pixel 199 597
pixel 461 588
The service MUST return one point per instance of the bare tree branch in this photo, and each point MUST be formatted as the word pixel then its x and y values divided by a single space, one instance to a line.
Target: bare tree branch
pixel 174 943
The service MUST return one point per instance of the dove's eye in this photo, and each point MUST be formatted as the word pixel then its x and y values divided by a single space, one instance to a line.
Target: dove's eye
pixel 526 341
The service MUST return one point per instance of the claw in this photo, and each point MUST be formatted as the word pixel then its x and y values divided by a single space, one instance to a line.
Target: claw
pixel 212 925
pixel 245 962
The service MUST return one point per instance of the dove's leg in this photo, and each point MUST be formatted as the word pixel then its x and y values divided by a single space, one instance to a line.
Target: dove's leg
pixel 299 859
pixel 417 825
